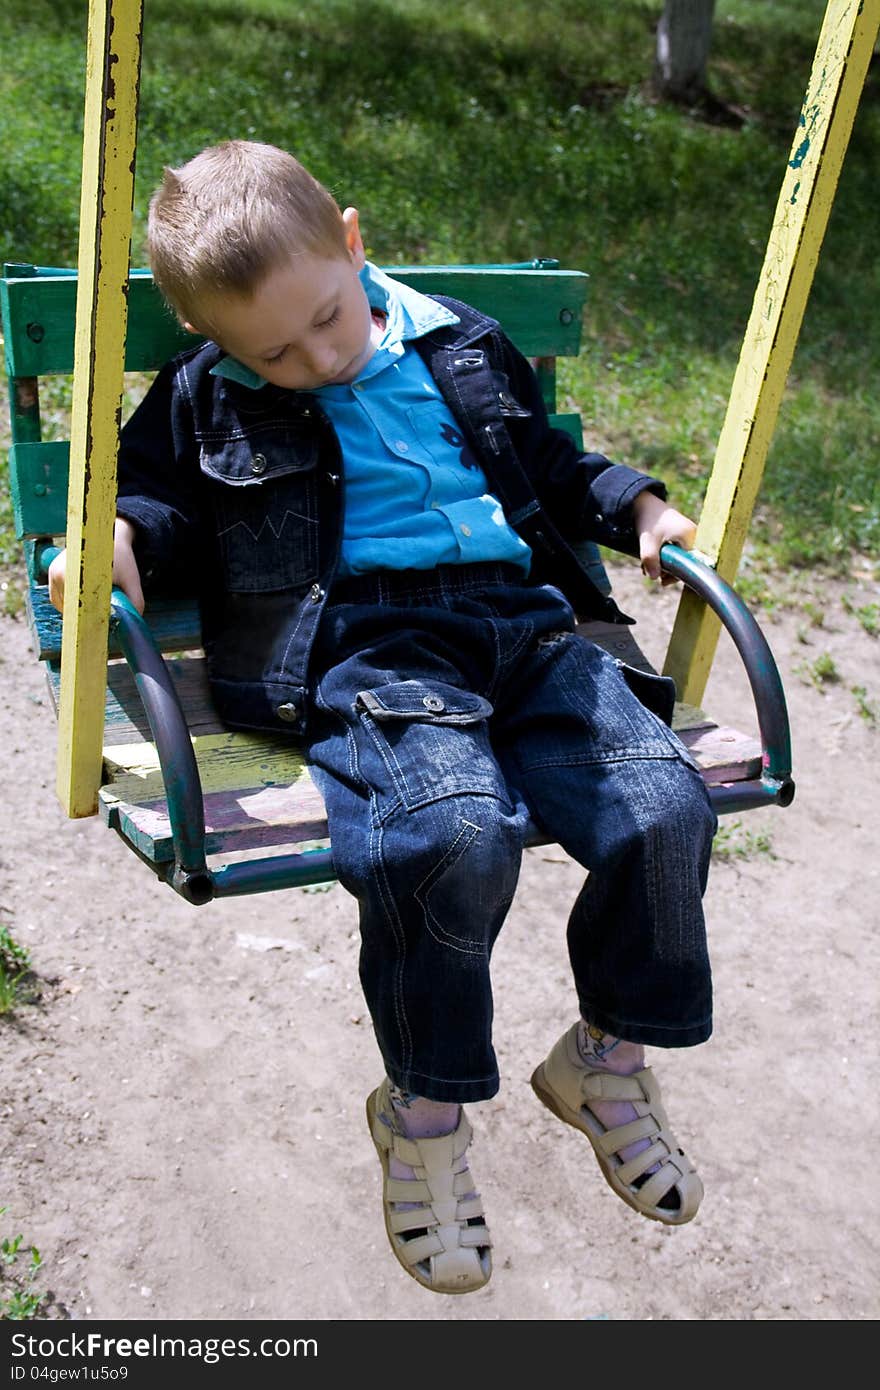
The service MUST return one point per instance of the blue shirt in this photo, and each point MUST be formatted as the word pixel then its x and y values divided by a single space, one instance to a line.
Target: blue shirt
pixel 415 497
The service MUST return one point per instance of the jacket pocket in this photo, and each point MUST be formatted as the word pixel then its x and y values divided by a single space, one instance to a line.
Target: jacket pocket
pixel 510 407
pixel 263 492
pixel 432 741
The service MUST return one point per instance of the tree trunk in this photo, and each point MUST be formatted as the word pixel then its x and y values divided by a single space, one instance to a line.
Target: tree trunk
pixel 684 35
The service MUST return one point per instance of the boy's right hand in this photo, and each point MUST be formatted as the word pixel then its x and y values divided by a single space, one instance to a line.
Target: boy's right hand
pixel 125 570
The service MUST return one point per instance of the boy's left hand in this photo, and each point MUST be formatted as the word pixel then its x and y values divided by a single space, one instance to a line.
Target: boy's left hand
pixel 656 523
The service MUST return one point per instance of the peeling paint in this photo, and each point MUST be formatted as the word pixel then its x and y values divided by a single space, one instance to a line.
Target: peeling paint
pixel 794 192
pixel 800 154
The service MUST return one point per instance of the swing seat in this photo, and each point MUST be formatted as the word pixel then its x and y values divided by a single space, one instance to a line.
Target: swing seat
pixel 216 812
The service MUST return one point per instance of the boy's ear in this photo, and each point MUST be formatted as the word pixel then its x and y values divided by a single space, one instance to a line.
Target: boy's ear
pixel 353 238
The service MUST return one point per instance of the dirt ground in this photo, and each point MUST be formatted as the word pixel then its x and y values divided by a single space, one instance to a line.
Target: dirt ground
pixel 181 1113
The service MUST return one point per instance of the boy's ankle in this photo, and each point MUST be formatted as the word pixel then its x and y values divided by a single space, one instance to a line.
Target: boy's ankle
pixel 421 1118
pixel 604 1052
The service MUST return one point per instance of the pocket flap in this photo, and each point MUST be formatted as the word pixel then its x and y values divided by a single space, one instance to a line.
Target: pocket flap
pixel 430 701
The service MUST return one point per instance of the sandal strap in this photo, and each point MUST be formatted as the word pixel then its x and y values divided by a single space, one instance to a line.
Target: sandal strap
pixel 613 1140
pixel 427 1216
pixel 668 1176
pixel 605 1085
pixel 433 1155
pixel 641 1162
pixel 407 1190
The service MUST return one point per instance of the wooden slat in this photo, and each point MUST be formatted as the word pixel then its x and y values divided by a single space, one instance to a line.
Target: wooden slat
pixel 541 310
pixel 125 720
pixel 258 792
pixel 40 326
pixel 174 624
pixel 38 482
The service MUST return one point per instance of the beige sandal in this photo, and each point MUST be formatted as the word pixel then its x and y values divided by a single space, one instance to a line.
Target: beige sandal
pixel 565 1084
pixel 443 1242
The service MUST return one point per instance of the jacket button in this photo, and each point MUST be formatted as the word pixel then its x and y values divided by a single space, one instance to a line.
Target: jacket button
pixel 434 703
pixel 316 593
pixel 258 463
pixel 288 713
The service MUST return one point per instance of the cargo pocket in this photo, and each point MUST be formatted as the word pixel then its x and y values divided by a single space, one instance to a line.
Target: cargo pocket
pixel 656 693
pixel 432 740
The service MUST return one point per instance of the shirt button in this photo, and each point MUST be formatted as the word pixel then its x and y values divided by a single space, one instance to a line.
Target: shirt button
pixel 434 704
pixel 316 593
pixel 258 463
pixel 402 445
pixel 465 530
pixel 287 712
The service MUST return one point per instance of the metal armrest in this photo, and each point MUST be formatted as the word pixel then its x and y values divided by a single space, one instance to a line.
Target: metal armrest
pixel 190 875
pixel 775 785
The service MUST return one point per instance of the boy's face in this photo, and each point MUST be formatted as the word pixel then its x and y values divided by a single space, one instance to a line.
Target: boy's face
pixel 308 324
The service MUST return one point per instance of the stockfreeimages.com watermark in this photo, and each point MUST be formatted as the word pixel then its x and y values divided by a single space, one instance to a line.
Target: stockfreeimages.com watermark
pixel 30 1353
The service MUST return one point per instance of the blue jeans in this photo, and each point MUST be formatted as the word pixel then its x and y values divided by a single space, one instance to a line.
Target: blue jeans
pixel 450 708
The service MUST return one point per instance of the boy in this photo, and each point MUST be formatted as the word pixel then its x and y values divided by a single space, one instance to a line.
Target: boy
pixel 363 480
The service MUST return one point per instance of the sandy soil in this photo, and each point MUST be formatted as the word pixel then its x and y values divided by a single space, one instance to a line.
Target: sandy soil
pixel 182 1111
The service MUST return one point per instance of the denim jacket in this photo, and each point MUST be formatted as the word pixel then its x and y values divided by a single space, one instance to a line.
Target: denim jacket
pixel 240 492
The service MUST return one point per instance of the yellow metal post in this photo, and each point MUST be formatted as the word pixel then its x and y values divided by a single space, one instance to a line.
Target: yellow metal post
pixel 112 77
pixel 842 56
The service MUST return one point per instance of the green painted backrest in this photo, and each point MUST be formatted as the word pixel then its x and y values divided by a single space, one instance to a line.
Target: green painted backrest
pixel 538 305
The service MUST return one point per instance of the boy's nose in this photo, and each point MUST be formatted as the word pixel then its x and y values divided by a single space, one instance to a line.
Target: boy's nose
pixel 320 359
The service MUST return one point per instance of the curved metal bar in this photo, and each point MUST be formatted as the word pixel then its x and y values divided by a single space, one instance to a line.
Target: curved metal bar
pixel 776 784
pixel 280 871
pixel 177 760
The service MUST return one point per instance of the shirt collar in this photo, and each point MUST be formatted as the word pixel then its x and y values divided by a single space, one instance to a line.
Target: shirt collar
pixel 409 315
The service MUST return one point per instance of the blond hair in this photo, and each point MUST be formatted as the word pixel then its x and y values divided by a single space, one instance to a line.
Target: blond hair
pixel 224 220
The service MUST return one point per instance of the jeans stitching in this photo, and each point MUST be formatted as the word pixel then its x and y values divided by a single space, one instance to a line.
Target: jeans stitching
pixel 436 873
pixel 389 905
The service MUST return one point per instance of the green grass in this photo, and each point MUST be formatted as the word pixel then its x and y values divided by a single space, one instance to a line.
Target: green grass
pixel 19 1300
pixel 15 967
pixel 491 131
pixel 732 844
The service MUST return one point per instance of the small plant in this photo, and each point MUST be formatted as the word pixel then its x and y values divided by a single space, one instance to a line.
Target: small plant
pixel 15 964
pixel 866 709
pixel 825 671
pixel 815 615
pixel 23 1300
pixel 868 615
pixel 732 843
pixel 821 673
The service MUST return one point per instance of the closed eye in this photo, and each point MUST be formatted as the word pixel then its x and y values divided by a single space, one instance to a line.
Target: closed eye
pixel 322 323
